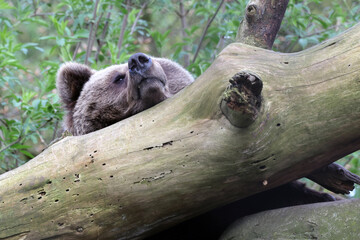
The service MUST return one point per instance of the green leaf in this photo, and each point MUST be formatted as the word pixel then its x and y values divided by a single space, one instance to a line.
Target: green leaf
pixel 303 42
pixel 5 5
pixel 26 45
pixel 325 22
pixel 26 153
pixel 27 96
pixel 20 146
pixel 60 42
pixel 82 33
pixel 36 103
pixel 47 37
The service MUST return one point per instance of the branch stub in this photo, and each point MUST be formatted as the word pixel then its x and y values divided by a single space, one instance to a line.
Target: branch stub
pixel 241 101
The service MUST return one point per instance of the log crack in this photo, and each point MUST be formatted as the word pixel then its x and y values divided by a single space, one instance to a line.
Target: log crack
pixel 317 83
pixel 151 179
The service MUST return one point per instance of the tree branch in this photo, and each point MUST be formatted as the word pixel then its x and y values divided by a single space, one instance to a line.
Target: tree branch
pixel 78 44
pixel 335 178
pixel 205 30
pixel 261 22
pixel 138 17
pixel 186 48
pixel 123 28
pixel 11 144
pixel 136 20
pixel 92 34
pixel 21 137
pixel 55 130
pixel 35 7
pixel 220 44
pixel 103 34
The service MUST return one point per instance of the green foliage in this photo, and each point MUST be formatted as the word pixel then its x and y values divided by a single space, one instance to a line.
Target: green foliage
pixel 37 36
pixel 27 106
pixel 310 22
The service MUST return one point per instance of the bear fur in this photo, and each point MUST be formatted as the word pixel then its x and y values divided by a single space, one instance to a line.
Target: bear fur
pixel 96 99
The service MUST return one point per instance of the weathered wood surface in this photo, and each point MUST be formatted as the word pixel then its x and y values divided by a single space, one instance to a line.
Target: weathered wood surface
pixel 183 157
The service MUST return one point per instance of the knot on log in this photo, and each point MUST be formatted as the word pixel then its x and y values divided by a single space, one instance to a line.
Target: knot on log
pixel 242 99
pixel 253 13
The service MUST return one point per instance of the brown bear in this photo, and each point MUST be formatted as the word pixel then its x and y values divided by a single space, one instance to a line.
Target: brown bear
pixel 97 99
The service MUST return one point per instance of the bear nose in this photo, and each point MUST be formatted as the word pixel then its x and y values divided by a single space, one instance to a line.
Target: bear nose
pixel 139 63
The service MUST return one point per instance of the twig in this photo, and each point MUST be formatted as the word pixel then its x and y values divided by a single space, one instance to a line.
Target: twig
pixel 11 144
pixel 5 124
pixel 97 26
pixel 41 138
pixel 136 20
pixel 35 14
pixel 76 50
pixel 138 17
pixel 55 130
pixel 35 7
pixel 42 14
pixel 18 139
pixel 220 44
pixel 95 29
pixel 205 30
pixel 91 34
pixel 21 137
pixel 123 27
pixel 320 31
pixel 103 34
pixel 184 26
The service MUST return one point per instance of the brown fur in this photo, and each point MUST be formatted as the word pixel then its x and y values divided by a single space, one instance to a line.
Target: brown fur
pixel 96 99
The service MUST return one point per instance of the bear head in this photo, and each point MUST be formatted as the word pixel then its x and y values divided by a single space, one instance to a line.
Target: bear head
pixel 96 99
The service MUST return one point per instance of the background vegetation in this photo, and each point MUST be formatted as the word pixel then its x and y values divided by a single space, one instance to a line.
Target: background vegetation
pixel 37 36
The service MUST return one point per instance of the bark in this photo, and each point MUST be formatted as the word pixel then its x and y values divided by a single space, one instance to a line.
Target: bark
pixel 261 22
pixel 335 178
pixel 333 220
pixel 183 157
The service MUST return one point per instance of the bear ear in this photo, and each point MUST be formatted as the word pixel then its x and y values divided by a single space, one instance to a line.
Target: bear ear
pixel 70 80
pixel 177 76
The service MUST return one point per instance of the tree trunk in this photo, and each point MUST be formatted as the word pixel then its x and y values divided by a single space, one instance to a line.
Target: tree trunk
pixel 332 220
pixel 261 22
pixel 183 157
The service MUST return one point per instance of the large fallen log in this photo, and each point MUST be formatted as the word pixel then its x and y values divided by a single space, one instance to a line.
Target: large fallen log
pixel 184 157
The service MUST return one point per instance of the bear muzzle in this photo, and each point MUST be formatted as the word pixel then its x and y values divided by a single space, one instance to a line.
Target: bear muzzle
pixel 145 75
pixel 139 63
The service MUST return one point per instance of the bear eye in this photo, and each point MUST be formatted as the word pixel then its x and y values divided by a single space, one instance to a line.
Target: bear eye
pixel 119 78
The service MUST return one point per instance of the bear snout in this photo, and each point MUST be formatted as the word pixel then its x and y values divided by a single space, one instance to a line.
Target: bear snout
pixel 146 77
pixel 139 63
